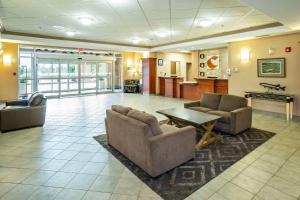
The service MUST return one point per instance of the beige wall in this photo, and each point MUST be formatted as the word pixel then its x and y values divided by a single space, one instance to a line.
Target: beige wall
pixel 9 81
pixel 136 63
pixel 246 76
pixel 183 58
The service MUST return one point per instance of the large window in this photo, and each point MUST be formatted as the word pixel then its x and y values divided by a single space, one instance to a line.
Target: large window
pixel 57 77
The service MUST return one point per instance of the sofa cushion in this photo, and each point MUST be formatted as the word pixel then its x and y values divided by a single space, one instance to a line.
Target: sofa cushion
pixel 225 115
pixel 210 100
pixel 231 102
pixel 147 119
pixel 32 97
pixel 36 100
pixel 200 108
pixel 121 109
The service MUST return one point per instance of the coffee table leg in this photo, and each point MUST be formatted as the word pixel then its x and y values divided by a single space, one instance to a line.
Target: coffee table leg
pixel 208 137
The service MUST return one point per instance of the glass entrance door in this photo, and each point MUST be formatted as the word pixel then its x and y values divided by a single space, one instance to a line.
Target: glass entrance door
pixel 69 77
pixel 60 75
pixel 104 77
pixel 48 78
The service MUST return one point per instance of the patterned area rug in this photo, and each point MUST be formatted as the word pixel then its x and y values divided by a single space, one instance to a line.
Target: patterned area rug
pixel 209 162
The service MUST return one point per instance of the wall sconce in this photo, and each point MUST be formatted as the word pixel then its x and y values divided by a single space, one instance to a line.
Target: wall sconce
pixel 6 59
pixel 271 51
pixel 245 55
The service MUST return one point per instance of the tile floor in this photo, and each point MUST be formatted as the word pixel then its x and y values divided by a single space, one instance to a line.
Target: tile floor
pixel 63 161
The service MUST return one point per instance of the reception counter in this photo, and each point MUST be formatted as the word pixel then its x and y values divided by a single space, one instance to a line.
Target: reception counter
pixel 194 90
pixel 170 86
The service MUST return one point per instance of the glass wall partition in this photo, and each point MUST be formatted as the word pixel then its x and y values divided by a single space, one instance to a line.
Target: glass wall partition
pixel 56 77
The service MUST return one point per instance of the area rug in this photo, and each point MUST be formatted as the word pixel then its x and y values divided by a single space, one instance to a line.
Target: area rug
pixel 209 162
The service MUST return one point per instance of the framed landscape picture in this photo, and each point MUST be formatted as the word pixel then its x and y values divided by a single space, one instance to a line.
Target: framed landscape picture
pixel 271 67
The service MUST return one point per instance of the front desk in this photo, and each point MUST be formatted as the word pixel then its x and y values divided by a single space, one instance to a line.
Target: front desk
pixel 194 90
pixel 170 86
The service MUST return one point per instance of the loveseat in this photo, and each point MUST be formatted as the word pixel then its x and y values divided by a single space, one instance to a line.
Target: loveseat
pixel 23 113
pixel 153 147
pixel 236 115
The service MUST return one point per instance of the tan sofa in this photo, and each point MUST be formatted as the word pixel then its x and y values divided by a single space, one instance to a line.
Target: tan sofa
pixel 153 147
pixel 236 115
pixel 23 113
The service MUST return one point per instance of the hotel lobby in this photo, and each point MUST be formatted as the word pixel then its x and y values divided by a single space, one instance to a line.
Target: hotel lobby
pixel 149 100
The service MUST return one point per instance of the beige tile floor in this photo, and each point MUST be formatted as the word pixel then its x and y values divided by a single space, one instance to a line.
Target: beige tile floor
pixel 62 160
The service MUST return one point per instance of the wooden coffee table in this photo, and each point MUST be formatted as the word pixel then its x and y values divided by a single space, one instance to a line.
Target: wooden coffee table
pixel 205 122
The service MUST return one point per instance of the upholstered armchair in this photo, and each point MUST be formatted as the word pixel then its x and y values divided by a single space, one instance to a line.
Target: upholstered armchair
pixel 23 113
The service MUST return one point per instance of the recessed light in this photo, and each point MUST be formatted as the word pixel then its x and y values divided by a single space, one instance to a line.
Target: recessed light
pixel 86 20
pixel 59 27
pixel 70 33
pixel 204 23
pixel 136 41
pixel 162 33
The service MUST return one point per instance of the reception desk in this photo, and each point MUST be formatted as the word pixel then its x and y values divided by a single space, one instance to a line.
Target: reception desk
pixel 194 90
pixel 170 86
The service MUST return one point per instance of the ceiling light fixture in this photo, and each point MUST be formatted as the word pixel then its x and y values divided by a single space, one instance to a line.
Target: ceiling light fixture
pixel 85 20
pixel 136 41
pixel 70 33
pixel 59 27
pixel 162 33
pixel 204 23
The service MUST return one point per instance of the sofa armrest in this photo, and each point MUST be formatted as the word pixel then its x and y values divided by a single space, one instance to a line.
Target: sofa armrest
pixel 241 119
pixel 171 149
pixel 192 104
pixel 17 103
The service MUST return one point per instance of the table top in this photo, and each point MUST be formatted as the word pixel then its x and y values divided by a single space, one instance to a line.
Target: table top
pixel 269 93
pixel 189 116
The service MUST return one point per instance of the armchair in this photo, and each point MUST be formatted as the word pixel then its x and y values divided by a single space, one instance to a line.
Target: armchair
pixel 23 113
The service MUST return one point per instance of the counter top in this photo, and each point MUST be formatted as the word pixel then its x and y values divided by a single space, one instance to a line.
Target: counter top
pixel 188 82
pixel 170 77
pixel 211 79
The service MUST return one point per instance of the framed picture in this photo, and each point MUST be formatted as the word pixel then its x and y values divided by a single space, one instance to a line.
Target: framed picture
pixel 202 74
pixel 202 65
pixel 160 62
pixel 271 67
pixel 213 62
pixel 202 56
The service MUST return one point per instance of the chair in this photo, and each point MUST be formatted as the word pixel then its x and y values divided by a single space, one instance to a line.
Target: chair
pixel 23 113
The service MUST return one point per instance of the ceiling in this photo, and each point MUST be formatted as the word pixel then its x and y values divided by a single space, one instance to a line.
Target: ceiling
pixel 122 21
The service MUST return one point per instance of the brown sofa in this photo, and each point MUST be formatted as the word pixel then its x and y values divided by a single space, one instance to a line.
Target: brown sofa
pixel 153 147
pixel 236 115
pixel 23 113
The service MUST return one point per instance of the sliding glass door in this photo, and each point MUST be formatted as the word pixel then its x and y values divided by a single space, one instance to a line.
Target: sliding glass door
pixel 48 77
pixel 69 77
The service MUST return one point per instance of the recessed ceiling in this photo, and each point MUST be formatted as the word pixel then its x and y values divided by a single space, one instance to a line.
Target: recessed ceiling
pixel 128 21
